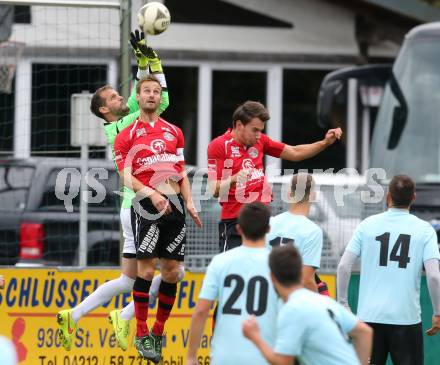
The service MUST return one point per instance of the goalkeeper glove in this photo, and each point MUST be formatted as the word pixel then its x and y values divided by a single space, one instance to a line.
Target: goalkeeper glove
pixel 154 60
pixel 140 49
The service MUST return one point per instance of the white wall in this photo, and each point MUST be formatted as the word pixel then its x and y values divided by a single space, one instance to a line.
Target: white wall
pixel 70 28
pixel 319 28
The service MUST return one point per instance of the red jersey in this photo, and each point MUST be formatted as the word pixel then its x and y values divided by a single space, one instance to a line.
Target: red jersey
pixel 154 153
pixel 226 157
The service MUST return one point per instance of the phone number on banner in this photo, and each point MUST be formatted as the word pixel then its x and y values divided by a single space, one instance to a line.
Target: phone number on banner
pixel 113 360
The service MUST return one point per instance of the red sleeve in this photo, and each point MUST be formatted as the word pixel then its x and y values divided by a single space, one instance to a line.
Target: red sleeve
pixel 180 152
pixel 122 147
pixel 216 160
pixel 271 147
pixel 180 139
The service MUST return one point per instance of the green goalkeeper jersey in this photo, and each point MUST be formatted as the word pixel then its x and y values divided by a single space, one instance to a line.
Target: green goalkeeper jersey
pixel 112 129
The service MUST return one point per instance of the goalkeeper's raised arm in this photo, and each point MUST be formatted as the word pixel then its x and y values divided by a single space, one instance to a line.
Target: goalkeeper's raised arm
pixel 147 60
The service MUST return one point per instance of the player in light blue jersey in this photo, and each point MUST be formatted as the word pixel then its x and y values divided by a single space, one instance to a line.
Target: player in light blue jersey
pixel 239 279
pixel 293 227
pixel 311 328
pixel 393 247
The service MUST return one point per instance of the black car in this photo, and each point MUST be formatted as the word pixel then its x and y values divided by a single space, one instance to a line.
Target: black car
pixel 39 212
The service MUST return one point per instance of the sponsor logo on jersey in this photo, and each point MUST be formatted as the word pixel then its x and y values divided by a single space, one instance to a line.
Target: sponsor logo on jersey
pixel 253 152
pixel 158 146
pixel 164 157
pixel 168 136
pixel 235 151
pixel 247 164
pixel 254 173
pixel 140 132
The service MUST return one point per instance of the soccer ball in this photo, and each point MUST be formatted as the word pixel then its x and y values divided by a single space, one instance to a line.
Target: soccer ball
pixel 153 18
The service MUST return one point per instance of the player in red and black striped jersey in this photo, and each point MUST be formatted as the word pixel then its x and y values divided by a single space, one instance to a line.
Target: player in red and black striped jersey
pixel 236 170
pixel 150 158
pixel 235 165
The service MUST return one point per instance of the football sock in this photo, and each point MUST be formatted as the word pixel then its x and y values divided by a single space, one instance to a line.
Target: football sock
pixel 167 296
pixel 102 295
pixel 140 299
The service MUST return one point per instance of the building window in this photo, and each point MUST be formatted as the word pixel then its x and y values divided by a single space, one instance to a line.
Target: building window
pixel 7 122
pixel 182 85
pixel 231 88
pixel 300 94
pixel 22 14
pixel 52 87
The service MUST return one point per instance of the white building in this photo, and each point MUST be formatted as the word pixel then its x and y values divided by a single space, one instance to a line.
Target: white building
pixel 216 54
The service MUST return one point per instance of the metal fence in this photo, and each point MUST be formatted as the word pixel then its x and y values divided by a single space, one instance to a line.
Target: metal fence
pixel 337 222
pixel 40 213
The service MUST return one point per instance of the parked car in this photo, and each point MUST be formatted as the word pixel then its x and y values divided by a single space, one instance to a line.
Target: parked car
pixel 39 226
pixel 36 227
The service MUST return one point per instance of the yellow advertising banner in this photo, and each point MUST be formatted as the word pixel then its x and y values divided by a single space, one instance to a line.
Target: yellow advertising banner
pixel 32 297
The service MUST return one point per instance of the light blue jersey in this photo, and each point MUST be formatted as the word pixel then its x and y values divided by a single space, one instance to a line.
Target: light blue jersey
pixel 314 328
pixel 239 279
pixel 393 246
pixel 299 230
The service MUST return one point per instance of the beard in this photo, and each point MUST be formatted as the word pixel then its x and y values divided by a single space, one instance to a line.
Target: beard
pixel 149 107
pixel 122 111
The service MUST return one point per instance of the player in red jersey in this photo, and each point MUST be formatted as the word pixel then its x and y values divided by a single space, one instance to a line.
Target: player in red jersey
pixel 235 165
pixel 150 158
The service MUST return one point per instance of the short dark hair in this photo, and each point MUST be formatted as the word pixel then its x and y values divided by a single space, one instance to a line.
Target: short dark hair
pixel 401 189
pixel 248 110
pixel 98 101
pixel 254 220
pixel 302 182
pixel 286 265
pixel 145 79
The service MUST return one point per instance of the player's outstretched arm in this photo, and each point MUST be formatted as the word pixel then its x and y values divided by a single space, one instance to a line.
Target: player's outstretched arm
pixel 157 70
pixel 139 47
pixel 137 42
pixel 305 151
pixel 185 190
pixel 308 278
pixel 343 276
pixel 252 332
pixel 311 255
pixel 433 281
pixel 362 339
pixel 198 321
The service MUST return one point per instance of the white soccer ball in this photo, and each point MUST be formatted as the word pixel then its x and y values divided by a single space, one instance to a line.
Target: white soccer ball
pixel 154 18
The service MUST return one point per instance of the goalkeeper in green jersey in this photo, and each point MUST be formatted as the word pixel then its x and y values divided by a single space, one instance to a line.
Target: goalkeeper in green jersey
pixel 107 104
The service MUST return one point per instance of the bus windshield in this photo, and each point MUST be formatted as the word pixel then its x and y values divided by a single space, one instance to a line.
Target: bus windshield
pixel 418 151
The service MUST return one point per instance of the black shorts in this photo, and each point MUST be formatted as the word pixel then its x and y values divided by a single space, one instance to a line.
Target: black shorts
pixel 403 342
pixel 228 235
pixel 162 237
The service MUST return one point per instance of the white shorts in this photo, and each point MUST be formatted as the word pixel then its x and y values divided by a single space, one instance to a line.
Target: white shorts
pixel 129 250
